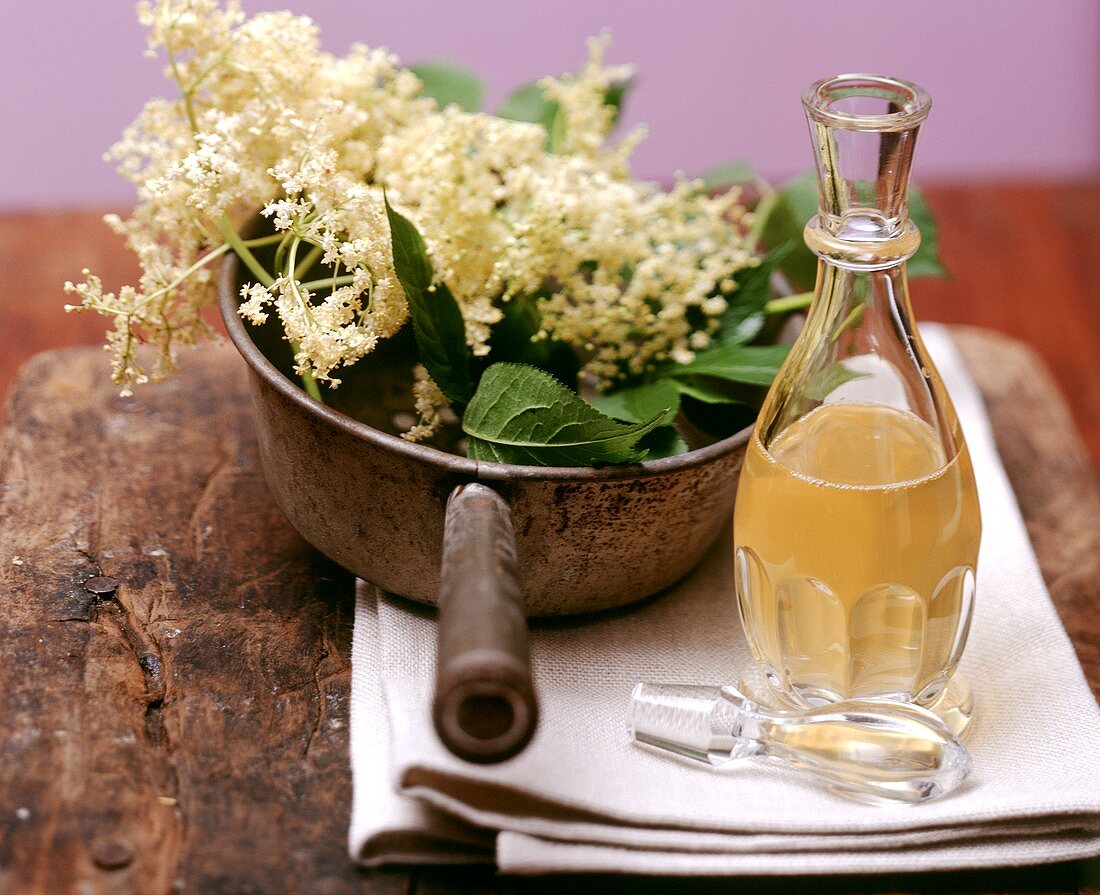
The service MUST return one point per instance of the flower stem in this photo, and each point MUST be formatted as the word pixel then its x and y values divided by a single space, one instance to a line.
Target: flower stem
pixel 789 303
pixel 308 261
pixel 192 118
pixel 308 382
pixel 280 252
pixel 198 265
pixel 314 285
pixel 234 241
pixel 263 240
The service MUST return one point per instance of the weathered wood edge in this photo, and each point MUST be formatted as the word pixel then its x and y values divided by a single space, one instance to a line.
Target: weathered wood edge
pixel 1055 483
pixel 188 732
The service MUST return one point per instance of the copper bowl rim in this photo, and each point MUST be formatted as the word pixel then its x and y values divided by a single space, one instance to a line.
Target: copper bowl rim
pixel 228 302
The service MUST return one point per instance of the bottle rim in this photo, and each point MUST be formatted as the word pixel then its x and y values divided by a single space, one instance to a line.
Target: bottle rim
pixel 912 102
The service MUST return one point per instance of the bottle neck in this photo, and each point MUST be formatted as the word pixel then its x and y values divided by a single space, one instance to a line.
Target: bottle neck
pixel 856 309
pixel 865 252
pixel 859 345
pixel 864 130
pixel 863 178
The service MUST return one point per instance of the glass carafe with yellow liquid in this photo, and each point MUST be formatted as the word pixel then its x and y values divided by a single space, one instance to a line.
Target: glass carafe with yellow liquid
pixel 857 524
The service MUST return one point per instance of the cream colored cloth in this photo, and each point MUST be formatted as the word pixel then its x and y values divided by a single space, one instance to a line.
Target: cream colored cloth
pixel 583 798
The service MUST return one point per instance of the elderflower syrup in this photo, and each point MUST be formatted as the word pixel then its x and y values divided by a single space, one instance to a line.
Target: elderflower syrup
pixel 857 525
pixel 856 540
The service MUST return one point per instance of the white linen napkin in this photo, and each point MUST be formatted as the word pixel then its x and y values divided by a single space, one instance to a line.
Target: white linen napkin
pixel 582 798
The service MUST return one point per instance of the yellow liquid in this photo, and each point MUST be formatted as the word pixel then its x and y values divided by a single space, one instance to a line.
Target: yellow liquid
pixel 856 543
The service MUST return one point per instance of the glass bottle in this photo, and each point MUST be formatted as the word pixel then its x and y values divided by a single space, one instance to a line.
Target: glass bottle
pixel 857 524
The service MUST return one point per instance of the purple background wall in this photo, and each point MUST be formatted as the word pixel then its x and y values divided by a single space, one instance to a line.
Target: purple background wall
pixel 1016 83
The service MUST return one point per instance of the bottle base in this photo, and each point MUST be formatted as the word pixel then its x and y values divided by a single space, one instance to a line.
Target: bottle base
pixel 954 705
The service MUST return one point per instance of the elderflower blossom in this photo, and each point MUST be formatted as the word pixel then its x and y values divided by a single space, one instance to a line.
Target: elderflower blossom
pixel 586 119
pixel 269 127
pixel 430 403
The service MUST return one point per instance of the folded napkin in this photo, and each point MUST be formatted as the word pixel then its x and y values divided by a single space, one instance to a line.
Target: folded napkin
pixel 582 798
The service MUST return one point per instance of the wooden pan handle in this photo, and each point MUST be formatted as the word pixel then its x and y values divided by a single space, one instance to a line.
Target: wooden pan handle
pixel 485 709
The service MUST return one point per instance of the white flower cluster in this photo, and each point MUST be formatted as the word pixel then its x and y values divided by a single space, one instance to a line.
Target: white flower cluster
pixel 267 122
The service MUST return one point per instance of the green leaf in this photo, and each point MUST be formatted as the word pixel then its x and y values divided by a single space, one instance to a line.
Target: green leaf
pixel 437 320
pixel 522 415
pixel 615 96
pixel 797 202
pixel 926 261
pixel 527 103
pixel 555 140
pixel 722 177
pixel 744 318
pixel 638 403
pixel 664 441
pixel 486 451
pixel 519 321
pixel 825 381
pixel 709 391
pixel 410 257
pixel 560 360
pixel 449 83
pixel 510 340
pixel 753 364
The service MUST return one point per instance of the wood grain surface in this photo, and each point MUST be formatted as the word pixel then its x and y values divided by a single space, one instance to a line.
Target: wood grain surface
pixel 187 731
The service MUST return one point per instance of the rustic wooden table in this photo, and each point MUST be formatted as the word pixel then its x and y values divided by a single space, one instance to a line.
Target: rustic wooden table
pixel 185 729
pixel 174 683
